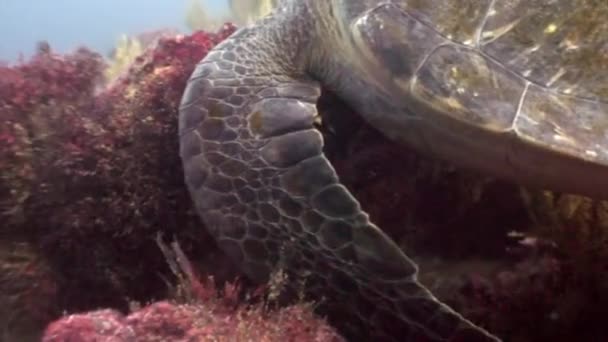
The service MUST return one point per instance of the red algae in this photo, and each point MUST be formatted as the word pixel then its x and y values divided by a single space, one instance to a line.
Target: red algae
pixel 90 174
pixel 166 321
pixel 207 315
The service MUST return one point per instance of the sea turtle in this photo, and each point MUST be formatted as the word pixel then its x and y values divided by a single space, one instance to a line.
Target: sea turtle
pixel 517 89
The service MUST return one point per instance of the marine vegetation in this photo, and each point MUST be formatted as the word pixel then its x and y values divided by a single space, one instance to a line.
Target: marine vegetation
pixel 90 176
pixel 203 313
pixel 197 18
pixel 126 50
pixel 247 11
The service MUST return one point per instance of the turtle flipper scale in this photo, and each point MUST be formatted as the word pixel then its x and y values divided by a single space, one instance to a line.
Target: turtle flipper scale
pixel 255 168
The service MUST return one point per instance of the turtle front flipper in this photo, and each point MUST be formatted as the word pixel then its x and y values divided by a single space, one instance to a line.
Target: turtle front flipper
pixel 255 168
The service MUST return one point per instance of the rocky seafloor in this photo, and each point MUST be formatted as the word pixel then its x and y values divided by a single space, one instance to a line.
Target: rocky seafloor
pixel 91 188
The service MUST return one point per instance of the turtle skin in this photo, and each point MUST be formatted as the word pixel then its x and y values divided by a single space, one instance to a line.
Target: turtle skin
pixel 474 82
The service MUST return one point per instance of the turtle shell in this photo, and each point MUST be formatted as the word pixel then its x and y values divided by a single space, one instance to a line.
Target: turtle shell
pixel 517 84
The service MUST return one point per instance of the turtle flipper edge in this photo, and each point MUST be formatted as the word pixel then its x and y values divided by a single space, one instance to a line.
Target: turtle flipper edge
pixel 255 168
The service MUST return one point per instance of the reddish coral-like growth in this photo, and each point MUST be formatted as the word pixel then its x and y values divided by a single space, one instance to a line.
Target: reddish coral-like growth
pixel 28 291
pixel 90 174
pixel 166 321
pixel 209 315
pixel 40 106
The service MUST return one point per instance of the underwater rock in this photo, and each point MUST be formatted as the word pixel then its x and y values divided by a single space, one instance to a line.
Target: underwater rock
pixel 198 312
pixel 166 321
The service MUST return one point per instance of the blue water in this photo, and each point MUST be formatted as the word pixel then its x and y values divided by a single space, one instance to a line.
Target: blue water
pixel 66 24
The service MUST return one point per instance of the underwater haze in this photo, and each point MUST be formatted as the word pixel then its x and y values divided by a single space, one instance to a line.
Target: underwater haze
pixel 149 155
pixel 67 24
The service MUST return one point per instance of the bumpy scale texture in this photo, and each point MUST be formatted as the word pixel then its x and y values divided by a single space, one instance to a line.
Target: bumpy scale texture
pixel 255 168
